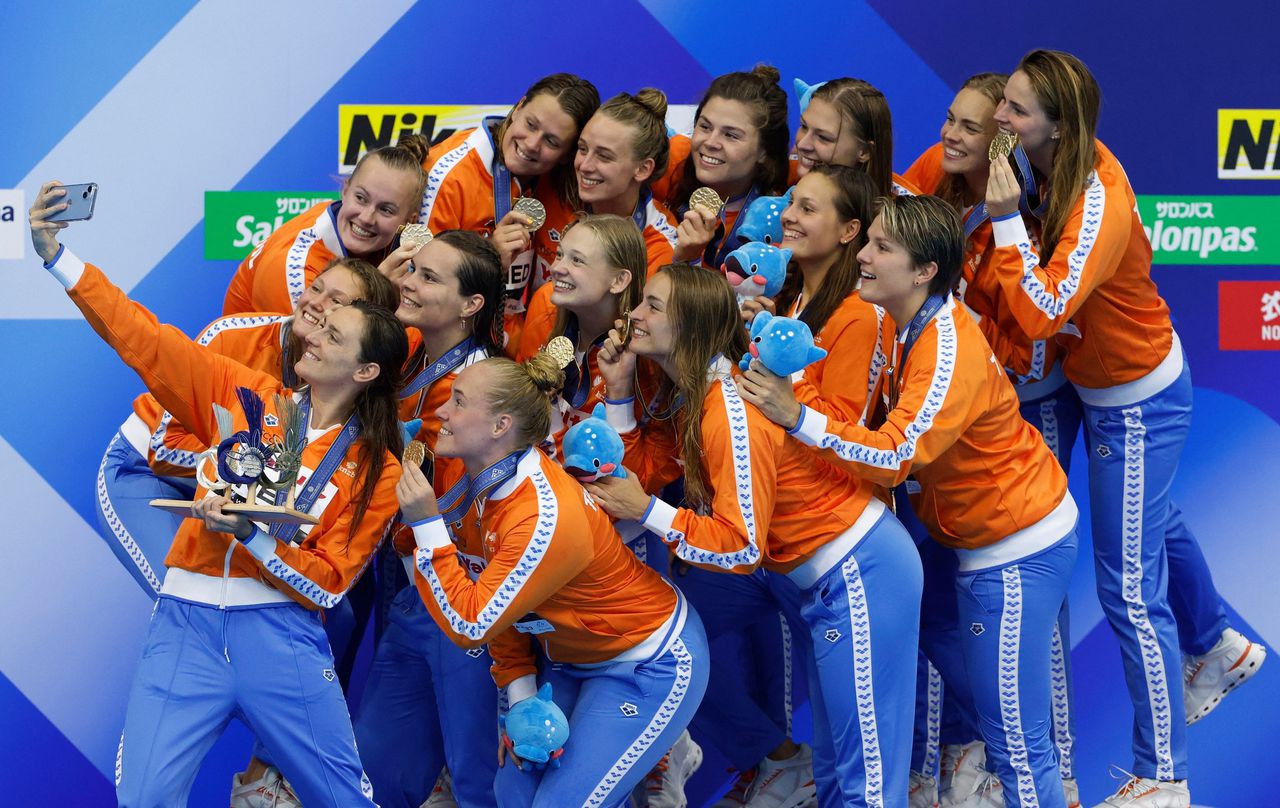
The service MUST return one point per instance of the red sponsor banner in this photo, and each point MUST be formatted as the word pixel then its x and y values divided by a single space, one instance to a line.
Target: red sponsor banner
pixel 1249 315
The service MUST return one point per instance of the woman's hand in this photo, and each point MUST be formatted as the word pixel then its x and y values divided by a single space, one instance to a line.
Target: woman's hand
pixel 694 233
pixel 44 234
pixel 620 498
pixel 1003 190
pixel 396 265
pixel 210 510
pixel 772 395
pixel 616 364
pixel 417 499
pixel 512 237
pixel 754 305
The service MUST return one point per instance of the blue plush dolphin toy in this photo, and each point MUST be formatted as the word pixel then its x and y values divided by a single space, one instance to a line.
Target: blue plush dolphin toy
pixel 756 269
pixel 762 220
pixel 593 449
pixel 536 730
pixel 782 344
pixel 804 92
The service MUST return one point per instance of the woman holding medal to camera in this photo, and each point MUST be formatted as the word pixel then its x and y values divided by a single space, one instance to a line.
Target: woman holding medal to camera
pixel 501 178
pixel 424 703
pixel 628 655
pixel 379 197
pixel 239 612
pixel 840 564
pixel 956 169
pixel 738 150
pixel 951 418
pixel 1088 281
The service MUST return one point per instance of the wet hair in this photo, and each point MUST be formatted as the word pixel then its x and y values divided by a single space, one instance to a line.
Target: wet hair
pixel 854 198
pixel 760 92
pixel 374 287
pixel 929 229
pixel 952 187
pixel 623 248
pixel 865 109
pixel 385 343
pixel 524 390
pixel 1071 98
pixel 703 311
pixel 646 114
pixel 579 99
pixel 480 273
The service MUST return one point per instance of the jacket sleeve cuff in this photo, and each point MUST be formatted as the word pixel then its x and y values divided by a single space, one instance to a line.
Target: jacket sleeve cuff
pixel 520 689
pixel 262 545
pixel 431 534
pixel 659 517
pixel 1009 231
pixel 811 426
pixel 65 267
pixel 621 415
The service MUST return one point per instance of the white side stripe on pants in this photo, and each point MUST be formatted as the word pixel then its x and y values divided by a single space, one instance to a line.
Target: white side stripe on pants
pixel 1131 525
pixel 933 719
pixel 1007 678
pixel 864 697
pixel 117 527
pixel 1060 703
pixel 670 704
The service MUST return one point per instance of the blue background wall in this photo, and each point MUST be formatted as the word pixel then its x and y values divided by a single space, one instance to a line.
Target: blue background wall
pixel 160 101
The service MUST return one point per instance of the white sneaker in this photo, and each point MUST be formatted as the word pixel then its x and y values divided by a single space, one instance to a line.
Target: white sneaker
pixel 270 790
pixel 989 794
pixel 966 772
pixel 1071 790
pixel 442 794
pixel 737 796
pixel 922 791
pixel 664 786
pixel 1207 678
pixel 785 783
pixel 1143 792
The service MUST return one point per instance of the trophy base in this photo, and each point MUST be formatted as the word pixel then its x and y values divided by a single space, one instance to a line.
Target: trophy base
pixel 255 512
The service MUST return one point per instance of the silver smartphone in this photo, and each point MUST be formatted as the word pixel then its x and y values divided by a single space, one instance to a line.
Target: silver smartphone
pixel 80 200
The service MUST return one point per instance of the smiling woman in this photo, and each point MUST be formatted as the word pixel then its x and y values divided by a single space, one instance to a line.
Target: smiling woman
pixel 381 194
pixel 477 175
pixel 247 593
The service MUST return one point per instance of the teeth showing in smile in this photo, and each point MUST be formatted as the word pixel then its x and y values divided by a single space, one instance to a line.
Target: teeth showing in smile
pixel 310 318
pixel 950 152
pixel 591 183
pixel 867 276
pixel 808 162
pixel 360 231
pixel 410 303
pixel 791 234
pixel 709 160
pixel 311 356
pixel 637 331
pixel 528 158
pixel 564 286
pixel 444 430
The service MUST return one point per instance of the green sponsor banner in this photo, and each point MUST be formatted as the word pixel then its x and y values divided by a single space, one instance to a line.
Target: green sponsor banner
pixel 235 222
pixel 1212 230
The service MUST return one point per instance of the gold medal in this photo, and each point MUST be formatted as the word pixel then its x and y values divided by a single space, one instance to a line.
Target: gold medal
pixel 416 234
pixel 561 350
pixel 1002 145
pixel 533 209
pixel 704 197
pixel 414 453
